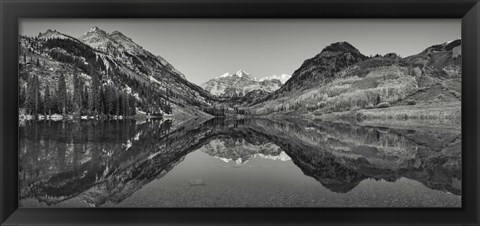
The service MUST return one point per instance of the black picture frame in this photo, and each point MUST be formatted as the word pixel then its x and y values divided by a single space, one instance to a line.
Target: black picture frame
pixel 12 10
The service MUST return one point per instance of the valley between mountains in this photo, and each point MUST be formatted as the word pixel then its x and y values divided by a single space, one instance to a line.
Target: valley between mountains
pixel 104 75
pixel 104 122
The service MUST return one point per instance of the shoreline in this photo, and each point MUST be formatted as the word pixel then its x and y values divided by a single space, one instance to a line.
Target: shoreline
pixel 445 116
pixel 58 117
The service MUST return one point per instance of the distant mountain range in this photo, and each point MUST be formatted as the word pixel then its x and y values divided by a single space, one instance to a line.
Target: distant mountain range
pixel 109 74
pixel 240 151
pixel 241 83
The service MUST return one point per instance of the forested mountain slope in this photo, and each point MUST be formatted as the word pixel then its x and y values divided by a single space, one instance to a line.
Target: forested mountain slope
pixel 101 74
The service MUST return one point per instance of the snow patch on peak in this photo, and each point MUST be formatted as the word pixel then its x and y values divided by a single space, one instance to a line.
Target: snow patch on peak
pixel 94 28
pixel 283 78
pixel 241 73
pixel 227 74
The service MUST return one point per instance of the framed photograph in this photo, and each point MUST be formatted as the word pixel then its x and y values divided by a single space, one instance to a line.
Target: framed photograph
pixel 239 112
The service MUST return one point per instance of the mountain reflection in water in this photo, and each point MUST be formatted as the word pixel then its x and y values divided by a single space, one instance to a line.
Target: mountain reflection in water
pixel 301 163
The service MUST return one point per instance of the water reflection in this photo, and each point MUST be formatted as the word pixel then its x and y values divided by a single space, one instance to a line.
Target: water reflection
pixel 104 163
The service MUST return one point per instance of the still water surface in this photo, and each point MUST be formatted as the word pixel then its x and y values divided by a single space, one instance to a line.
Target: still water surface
pixel 236 163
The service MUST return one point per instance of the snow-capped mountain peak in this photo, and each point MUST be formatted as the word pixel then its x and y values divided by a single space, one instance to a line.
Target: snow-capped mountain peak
pixel 241 74
pixel 241 83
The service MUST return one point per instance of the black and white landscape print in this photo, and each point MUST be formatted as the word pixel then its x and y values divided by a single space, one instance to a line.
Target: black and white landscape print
pixel 240 113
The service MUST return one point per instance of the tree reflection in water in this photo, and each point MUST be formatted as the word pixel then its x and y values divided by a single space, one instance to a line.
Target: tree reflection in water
pixel 108 161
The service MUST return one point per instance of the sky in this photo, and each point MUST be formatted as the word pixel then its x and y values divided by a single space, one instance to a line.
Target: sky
pixel 206 48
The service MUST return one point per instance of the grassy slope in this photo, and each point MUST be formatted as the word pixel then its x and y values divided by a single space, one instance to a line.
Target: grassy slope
pixel 446 114
pixel 353 97
pixel 387 83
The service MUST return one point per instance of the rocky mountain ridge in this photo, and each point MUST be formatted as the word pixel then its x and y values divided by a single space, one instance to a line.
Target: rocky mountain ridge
pixel 323 66
pixel 341 79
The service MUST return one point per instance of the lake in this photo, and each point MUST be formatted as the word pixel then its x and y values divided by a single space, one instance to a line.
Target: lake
pixel 236 163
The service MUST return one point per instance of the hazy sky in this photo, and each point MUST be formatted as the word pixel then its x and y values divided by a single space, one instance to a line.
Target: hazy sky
pixel 206 48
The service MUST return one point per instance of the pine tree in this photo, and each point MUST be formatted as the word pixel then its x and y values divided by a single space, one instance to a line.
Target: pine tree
pixel 117 104
pixel 94 97
pixel 107 100
pixel 125 104
pixel 110 100
pixel 69 106
pixel 85 105
pixel 77 95
pixel 32 102
pixel 47 101
pixel 102 101
pixel 30 95
pixel 131 104
pixel 36 87
pixel 23 97
pixel 62 94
